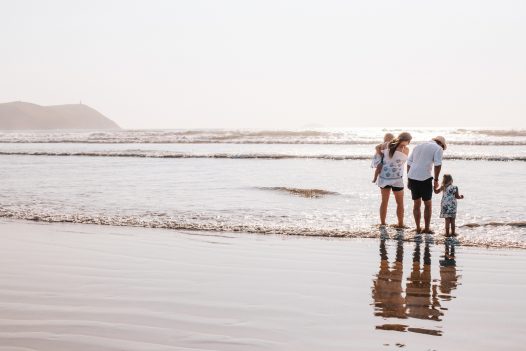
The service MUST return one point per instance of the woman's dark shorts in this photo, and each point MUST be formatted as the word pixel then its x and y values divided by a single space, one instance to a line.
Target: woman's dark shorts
pixel 421 189
pixel 395 188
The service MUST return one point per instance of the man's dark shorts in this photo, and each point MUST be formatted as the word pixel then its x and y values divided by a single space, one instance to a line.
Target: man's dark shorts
pixel 421 189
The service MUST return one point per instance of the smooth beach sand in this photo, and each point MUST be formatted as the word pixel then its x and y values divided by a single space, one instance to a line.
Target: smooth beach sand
pixel 88 287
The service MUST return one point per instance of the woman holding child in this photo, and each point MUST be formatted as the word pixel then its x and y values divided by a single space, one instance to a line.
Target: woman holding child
pixel 389 174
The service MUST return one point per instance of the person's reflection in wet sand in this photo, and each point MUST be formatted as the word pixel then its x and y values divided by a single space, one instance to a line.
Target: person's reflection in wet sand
pixel 387 288
pixel 448 271
pixel 422 295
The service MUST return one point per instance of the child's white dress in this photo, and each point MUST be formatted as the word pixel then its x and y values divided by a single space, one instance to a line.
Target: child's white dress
pixel 377 159
pixel 448 206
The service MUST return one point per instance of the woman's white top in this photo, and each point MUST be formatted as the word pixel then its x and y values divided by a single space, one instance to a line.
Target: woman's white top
pixel 392 169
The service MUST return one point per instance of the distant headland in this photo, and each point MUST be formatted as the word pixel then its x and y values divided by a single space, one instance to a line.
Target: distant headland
pixel 25 115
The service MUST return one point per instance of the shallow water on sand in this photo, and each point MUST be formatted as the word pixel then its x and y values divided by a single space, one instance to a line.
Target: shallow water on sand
pixel 305 197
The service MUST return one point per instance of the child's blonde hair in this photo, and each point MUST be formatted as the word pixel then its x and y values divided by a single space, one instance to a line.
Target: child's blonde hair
pixel 447 179
pixel 388 137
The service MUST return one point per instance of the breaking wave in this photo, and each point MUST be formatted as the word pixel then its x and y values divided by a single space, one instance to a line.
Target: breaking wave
pixel 345 137
pixel 496 132
pixel 270 156
pixel 195 224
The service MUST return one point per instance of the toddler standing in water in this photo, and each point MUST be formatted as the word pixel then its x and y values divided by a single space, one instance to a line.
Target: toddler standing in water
pixel 448 206
pixel 377 158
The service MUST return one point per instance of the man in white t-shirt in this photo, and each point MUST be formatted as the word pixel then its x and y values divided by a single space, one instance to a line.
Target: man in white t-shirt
pixel 420 177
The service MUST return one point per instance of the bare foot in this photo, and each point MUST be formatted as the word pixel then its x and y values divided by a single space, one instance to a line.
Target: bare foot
pixel 400 226
pixel 428 231
pixel 418 230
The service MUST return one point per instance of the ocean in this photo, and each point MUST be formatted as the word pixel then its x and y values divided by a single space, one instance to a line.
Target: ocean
pixel 289 182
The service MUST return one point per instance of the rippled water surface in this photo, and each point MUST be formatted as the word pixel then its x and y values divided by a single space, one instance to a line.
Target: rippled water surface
pixel 265 187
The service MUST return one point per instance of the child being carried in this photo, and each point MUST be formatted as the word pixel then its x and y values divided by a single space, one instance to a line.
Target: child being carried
pixel 378 155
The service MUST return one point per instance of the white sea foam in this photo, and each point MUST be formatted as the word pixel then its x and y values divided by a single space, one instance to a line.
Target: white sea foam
pixel 508 238
pixel 325 136
pixel 270 156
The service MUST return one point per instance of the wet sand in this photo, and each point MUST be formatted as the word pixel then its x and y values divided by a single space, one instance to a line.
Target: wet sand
pixel 88 287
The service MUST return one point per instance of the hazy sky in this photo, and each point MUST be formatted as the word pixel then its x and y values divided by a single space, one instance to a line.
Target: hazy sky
pixel 274 64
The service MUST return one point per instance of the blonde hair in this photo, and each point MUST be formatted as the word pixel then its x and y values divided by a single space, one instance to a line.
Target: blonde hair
pixel 388 137
pixel 393 145
pixel 447 179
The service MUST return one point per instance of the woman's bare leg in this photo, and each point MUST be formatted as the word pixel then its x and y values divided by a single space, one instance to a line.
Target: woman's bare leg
pixel 383 206
pixel 399 197
pixel 452 220
pixel 448 222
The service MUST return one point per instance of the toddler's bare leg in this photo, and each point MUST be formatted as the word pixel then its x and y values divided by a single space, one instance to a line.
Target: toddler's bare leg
pixel 452 220
pixel 448 222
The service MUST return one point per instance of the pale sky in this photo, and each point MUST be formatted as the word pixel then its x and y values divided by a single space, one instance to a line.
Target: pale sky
pixel 271 64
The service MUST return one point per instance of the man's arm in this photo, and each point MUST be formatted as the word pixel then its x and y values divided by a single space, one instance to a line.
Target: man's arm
pixel 437 159
pixel 437 172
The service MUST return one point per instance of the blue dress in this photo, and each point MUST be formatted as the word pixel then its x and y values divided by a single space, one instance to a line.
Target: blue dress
pixel 448 206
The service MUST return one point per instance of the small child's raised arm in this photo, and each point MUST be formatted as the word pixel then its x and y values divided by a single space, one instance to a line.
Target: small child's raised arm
pixel 458 196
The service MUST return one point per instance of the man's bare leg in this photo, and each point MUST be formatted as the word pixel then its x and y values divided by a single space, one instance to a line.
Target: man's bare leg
pixel 416 213
pixel 428 210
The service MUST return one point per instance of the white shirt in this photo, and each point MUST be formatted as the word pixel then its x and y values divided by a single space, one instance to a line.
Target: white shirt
pixel 422 159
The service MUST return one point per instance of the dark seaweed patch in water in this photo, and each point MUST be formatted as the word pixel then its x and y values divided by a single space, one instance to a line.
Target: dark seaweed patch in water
pixel 308 193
